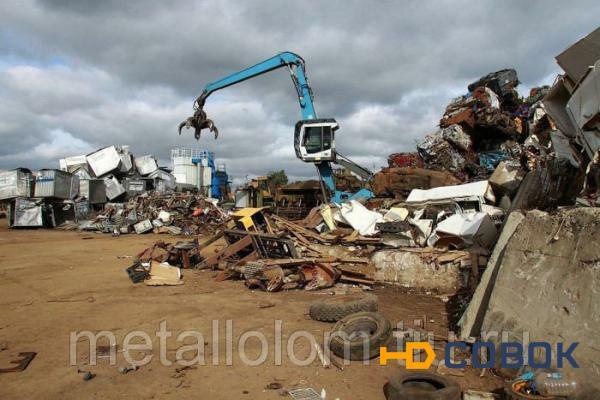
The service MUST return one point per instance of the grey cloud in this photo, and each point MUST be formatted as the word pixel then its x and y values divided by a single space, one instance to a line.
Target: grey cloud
pixel 127 72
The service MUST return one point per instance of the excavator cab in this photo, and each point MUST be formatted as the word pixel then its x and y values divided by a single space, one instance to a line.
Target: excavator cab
pixel 314 139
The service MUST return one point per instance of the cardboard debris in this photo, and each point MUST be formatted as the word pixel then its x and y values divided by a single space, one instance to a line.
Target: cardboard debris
pixel 163 274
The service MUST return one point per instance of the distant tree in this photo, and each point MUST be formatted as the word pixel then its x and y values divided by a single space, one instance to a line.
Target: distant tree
pixel 277 178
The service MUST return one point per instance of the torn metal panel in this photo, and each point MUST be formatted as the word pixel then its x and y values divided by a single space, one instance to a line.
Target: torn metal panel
pixel 500 82
pixel 360 218
pixel 555 103
pixel 70 164
pixel 576 60
pixel 469 228
pixel 26 213
pixel 584 105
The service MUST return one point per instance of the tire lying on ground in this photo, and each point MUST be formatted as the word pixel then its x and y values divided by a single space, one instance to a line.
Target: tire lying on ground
pixel 421 386
pixel 336 308
pixel 359 336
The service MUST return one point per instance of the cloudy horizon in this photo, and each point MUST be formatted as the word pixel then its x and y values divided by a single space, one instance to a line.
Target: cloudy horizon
pixel 79 75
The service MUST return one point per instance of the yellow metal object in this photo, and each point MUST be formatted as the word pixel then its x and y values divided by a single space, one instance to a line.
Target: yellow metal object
pixel 246 217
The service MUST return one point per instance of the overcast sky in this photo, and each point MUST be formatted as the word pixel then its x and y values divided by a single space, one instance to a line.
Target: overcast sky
pixel 79 75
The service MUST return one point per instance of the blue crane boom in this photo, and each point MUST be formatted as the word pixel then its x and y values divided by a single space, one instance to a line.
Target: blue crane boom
pixel 313 137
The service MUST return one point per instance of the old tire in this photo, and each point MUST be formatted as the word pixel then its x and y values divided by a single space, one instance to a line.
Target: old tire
pixel 359 336
pixel 336 308
pixel 421 386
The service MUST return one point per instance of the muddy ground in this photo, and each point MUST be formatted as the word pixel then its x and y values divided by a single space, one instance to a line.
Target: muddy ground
pixel 54 282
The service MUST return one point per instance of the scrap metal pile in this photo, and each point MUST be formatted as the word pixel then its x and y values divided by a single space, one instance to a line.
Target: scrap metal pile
pixel 173 212
pixel 83 185
pixel 548 141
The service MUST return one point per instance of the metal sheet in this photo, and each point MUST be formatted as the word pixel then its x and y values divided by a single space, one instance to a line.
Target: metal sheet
pixel 555 103
pixel 126 165
pixel 74 186
pixel 26 213
pixel 241 199
pixel 577 58
pixel 584 105
pixel 480 189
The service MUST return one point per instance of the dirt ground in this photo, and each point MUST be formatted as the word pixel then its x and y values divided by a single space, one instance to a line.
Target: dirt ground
pixel 54 282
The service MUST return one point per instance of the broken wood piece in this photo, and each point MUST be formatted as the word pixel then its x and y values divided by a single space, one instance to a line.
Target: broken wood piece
pixel 324 359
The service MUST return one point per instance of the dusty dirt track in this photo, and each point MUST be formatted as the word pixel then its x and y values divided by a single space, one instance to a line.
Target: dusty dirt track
pixel 55 282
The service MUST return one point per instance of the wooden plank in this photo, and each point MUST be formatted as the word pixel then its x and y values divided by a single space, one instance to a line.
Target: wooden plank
pixel 227 252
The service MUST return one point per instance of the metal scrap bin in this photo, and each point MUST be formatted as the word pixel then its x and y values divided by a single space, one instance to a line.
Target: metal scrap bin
pixel 134 187
pixel 143 226
pixel 104 161
pixel 25 213
pixel 145 165
pixel 93 190
pixel 53 183
pixel 70 164
pixel 114 188
pixel 16 183
pixel 63 211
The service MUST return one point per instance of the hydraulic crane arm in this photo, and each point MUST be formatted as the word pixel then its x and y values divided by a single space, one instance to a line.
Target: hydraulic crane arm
pixel 313 138
pixel 293 62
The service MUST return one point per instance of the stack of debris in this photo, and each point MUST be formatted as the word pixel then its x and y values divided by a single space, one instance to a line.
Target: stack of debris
pixel 267 252
pixel 174 213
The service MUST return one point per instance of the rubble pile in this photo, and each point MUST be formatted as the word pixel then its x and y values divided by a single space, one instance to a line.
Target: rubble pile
pixel 174 213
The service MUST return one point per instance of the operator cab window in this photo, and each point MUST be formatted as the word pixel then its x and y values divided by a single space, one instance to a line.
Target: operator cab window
pixel 317 138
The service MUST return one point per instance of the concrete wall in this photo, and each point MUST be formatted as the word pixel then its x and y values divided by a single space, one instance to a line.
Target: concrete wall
pixel 411 270
pixel 548 284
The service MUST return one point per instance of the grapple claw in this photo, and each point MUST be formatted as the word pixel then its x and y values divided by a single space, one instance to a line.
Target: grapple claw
pixel 199 120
